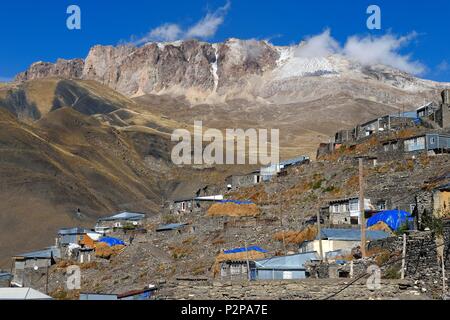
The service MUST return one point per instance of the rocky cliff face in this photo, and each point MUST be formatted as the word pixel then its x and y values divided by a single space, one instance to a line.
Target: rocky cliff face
pixel 69 69
pixel 205 72
pixel 180 67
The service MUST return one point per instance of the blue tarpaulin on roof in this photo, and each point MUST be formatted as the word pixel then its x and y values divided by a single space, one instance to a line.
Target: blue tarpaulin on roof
pixel 393 218
pixel 417 121
pixel 112 241
pixel 252 248
pixel 236 201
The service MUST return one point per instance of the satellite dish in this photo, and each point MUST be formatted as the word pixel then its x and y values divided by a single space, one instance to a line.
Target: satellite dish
pixel 35 268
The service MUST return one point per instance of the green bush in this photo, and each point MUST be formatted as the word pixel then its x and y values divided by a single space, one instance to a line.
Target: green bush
pixel 393 272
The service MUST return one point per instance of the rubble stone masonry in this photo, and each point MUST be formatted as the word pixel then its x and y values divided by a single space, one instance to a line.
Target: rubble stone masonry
pixel 306 289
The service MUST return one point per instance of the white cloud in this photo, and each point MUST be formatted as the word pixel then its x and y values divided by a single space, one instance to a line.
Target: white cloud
pixel 368 50
pixel 166 32
pixel 204 29
pixel 207 27
pixel 321 45
pixel 384 50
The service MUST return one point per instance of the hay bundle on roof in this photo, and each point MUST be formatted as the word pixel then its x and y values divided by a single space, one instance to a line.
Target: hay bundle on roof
pixel 102 250
pixel 230 209
pixel 380 226
pixel 297 237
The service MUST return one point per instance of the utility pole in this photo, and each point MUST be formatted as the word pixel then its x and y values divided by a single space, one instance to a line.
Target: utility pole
pixel 248 263
pixel 46 281
pixel 403 257
pixel 280 208
pixel 320 236
pixel 444 287
pixel 362 208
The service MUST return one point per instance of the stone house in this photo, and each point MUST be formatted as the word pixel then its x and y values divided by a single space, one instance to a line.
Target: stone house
pixel 344 211
pixel 191 199
pixel 427 142
pixel 427 110
pixel 275 169
pixel 343 136
pixel 243 180
pixel 433 142
pixel 439 115
pixel 290 267
pixel 432 203
pixel 67 236
pixel 193 205
pixel 122 220
pixel 235 269
pixel 343 240
pixel 28 266
pixel 387 123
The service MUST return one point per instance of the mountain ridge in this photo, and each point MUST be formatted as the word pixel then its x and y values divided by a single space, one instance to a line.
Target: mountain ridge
pixel 214 72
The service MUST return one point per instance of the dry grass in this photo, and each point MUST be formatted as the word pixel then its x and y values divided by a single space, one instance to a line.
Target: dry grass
pixel 380 255
pixel 424 160
pixel 352 183
pixel 256 194
pixel 407 165
pixel 102 250
pixel 88 265
pixel 406 133
pixel 296 237
pixel 380 226
pixel 181 251
pixel 218 241
pixel 233 210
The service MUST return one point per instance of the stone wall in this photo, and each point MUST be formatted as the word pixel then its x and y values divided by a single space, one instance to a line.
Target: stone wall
pixel 307 289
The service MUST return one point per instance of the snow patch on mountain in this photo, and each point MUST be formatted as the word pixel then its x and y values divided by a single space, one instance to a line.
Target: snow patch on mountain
pixel 215 67
pixel 289 65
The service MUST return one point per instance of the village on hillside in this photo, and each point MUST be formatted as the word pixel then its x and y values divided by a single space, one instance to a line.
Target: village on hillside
pixel 369 218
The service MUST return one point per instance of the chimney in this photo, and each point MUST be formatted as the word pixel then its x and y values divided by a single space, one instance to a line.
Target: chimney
pixel 446 96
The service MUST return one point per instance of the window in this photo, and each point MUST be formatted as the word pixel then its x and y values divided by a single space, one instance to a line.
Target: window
pixel 335 208
pixel 354 205
pixel 415 144
pixel 381 205
pixel 386 147
pixel 395 146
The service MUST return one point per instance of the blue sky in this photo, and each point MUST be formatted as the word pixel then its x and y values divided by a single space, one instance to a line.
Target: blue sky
pixel 36 30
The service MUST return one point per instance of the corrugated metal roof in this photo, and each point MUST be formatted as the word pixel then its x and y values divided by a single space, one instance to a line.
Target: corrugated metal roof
pixel 406 114
pixel 47 253
pixel 351 234
pixel 125 216
pixel 97 296
pixel 291 262
pixel 22 294
pixel 294 160
pixel 343 200
pixel 171 226
pixel 71 231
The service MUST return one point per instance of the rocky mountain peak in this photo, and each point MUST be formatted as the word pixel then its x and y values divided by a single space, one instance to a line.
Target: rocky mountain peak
pixel 250 69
